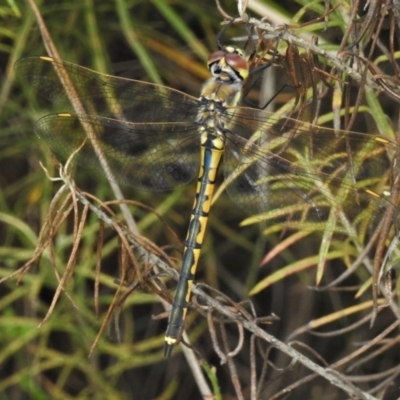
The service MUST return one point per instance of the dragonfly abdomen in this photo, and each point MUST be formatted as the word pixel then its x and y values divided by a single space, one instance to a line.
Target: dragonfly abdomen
pixel 212 147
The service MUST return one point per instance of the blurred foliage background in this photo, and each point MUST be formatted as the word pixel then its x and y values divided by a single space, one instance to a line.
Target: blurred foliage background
pixel 164 42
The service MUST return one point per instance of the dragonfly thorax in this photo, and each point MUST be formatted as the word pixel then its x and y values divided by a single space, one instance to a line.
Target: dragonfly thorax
pixel 209 115
pixel 215 98
pixel 215 91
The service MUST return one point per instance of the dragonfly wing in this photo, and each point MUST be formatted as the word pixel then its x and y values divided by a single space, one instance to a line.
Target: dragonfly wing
pixel 146 155
pixel 72 88
pixel 144 134
pixel 299 173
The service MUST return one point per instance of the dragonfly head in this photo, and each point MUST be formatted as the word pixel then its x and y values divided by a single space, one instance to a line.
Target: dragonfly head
pixel 228 65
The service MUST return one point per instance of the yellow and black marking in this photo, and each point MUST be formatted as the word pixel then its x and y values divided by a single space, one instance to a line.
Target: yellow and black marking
pixel 211 153
pixel 229 69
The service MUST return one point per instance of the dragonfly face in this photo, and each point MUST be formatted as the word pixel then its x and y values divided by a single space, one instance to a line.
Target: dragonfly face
pixel 291 174
pixel 228 65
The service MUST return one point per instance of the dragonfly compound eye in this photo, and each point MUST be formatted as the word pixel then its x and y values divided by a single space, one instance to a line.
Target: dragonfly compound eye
pixel 238 63
pixel 215 58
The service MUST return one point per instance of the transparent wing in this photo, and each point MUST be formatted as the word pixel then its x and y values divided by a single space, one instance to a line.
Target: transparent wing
pixel 300 175
pixel 104 95
pixel 148 156
pixel 147 133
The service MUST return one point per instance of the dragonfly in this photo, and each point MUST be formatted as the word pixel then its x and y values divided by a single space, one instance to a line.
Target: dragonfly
pixel 287 173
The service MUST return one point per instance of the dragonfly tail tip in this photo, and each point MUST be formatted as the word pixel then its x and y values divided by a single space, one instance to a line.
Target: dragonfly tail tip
pixel 168 350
